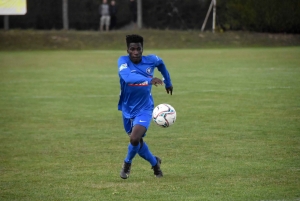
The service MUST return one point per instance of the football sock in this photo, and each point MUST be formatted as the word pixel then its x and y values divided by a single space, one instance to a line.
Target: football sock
pixel 146 154
pixel 132 151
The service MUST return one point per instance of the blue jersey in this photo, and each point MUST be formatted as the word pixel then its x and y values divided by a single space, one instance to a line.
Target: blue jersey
pixel 135 83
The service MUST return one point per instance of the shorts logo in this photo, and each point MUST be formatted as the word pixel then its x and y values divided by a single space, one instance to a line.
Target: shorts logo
pixel 148 70
pixel 122 67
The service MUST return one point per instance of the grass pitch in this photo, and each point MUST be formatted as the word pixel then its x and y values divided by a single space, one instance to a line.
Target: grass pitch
pixel 237 134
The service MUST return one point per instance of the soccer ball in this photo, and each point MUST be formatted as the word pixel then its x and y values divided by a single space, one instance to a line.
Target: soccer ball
pixel 164 115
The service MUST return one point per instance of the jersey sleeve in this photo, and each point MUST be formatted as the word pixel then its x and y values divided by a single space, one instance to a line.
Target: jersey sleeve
pixel 128 76
pixel 161 67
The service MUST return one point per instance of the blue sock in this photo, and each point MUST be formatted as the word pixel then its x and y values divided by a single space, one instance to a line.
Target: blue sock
pixel 146 154
pixel 132 151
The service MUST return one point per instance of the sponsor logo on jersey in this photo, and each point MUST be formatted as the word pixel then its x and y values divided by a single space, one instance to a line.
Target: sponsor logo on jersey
pixel 122 67
pixel 140 84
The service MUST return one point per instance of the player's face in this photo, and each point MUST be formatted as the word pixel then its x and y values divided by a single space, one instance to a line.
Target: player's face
pixel 135 51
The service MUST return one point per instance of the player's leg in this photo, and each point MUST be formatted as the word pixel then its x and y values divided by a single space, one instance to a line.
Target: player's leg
pixel 107 23
pixel 135 132
pixel 124 174
pixel 155 161
pixel 101 23
pixel 144 151
pixel 134 145
pixel 146 154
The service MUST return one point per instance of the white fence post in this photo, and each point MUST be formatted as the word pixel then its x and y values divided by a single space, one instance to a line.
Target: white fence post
pixel 214 16
pixel 65 15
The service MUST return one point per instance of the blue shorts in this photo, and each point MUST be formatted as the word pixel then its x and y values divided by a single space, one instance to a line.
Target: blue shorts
pixel 140 119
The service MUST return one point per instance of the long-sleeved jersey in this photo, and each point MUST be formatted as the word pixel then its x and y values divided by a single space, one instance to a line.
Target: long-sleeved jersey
pixel 135 83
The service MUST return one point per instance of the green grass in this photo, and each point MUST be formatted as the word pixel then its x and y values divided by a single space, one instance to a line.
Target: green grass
pixel 237 134
pixel 154 39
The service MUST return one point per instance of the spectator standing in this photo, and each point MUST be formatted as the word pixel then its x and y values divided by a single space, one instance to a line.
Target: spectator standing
pixel 105 16
pixel 113 14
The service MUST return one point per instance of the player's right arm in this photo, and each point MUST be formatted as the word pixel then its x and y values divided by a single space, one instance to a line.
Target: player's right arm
pixel 130 77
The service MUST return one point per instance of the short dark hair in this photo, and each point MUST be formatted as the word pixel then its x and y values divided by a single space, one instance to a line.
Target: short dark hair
pixel 134 39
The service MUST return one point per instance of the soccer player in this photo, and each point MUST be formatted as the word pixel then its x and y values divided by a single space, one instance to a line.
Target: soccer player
pixel 136 102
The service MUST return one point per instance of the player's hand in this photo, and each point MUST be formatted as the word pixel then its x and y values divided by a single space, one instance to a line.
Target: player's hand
pixel 169 90
pixel 155 81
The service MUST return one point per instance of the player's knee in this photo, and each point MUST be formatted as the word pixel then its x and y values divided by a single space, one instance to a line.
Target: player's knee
pixel 134 140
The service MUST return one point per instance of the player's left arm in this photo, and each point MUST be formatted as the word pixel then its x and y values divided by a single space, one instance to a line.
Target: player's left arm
pixel 161 67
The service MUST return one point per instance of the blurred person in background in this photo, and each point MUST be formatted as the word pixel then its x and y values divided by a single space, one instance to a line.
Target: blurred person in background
pixel 113 14
pixel 105 16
